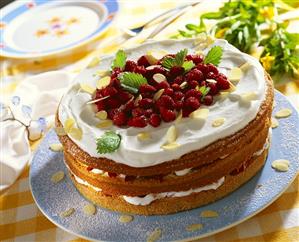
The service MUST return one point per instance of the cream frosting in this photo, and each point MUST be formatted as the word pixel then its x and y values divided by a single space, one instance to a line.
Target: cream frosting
pixel 192 134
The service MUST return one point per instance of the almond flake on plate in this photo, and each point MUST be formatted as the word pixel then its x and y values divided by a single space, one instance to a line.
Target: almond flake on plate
pixel 281 165
pixel 60 131
pixel 158 94
pixel 89 209
pixel 94 62
pixel 125 218
pixel 155 235
pixel 171 134
pixel 158 77
pixel 209 214
pixel 76 133
pixel 101 115
pixel 87 88
pixel 57 176
pixel 245 66
pixel 56 147
pixel 235 74
pixel 274 123
pixel 67 213
pixel 218 122
pixel 194 227
pixel 104 124
pixel 143 136
pixel 201 113
pixel 283 113
pixel 170 146
pixel 103 82
pixel 68 124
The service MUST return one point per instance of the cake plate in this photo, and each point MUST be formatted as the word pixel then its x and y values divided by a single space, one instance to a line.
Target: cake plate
pixel 264 188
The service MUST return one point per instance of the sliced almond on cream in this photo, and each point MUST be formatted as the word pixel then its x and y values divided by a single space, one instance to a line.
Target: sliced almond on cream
pixel 60 131
pixel 136 101
pixel 218 122
pixel 223 95
pixel 235 74
pixel 171 134
pixel 94 62
pixel 158 94
pixel 68 124
pixel 154 236
pixel 211 81
pixel 170 146
pixel 194 227
pixel 201 113
pixel 103 82
pixel 244 67
pixel 57 176
pixel 102 115
pixel 154 55
pixel 158 77
pixel 125 218
pixel 209 214
pixel 101 73
pixel 274 123
pixel 152 67
pixel 67 213
pixel 281 165
pixel 144 136
pixel 104 124
pixel 283 113
pixel 56 147
pixel 87 88
pixel 249 96
pixel 97 100
pixel 76 133
pixel 184 85
pixel 89 209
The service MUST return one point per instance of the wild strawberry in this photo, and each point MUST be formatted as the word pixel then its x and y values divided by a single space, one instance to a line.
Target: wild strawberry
pixel 120 118
pixel 176 87
pixel 213 88
pixel 222 83
pixel 208 100
pixel 192 103
pixel 195 58
pixel 163 85
pixel 112 112
pixel 186 112
pixel 178 95
pixel 165 101
pixel 100 105
pixel 139 122
pixel 145 103
pixel 130 65
pixel 147 88
pixel 148 112
pixel 168 91
pixel 192 84
pixel 142 61
pixel 211 75
pixel 155 120
pixel 129 106
pixel 193 93
pixel 136 112
pixel 167 114
pixel 178 80
pixel 212 68
pixel 115 72
pixel 178 105
pixel 109 91
pixel 203 68
pixel 176 71
pixel 112 103
pixel 194 75
pixel 124 96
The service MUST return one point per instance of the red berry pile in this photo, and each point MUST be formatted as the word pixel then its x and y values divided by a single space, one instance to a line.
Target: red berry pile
pixel 182 91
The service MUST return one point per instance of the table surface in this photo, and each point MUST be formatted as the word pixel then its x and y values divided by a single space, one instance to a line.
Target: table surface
pixel 21 220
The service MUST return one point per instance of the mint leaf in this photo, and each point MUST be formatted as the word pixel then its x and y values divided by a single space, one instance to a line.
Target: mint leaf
pixel 188 65
pixel 129 89
pixel 108 142
pixel 168 62
pixel 203 90
pixel 178 60
pixel 132 79
pixel 119 60
pixel 214 56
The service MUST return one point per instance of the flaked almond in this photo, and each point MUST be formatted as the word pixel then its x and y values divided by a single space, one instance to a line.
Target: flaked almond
pixel 194 227
pixel 249 96
pixel 274 123
pixel 67 213
pixel 155 235
pixel 102 115
pixel 125 218
pixel 209 214
pixel 158 94
pixel 232 87
pixel 211 81
pixel 171 134
pixel 97 100
pixel 60 131
pixel 152 67
pixel 283 113
pixel 143 136
pixel 244 67
pixel 56 147
pixel 179 117
pixel 103 82
pixel 184 85
pixel 281 165
pixel 218 122
pixel 89 209
pixel 104 124
pixel 153 56
pixel 101 73
pixel 136 101
pixel 170 146
pixel 158 77
pixel 57 176
pixel 235 74
pixel 223 95
pixel 201 113
pixel 68 124
pixel 94 62
pixel 87 88
pixel 76 133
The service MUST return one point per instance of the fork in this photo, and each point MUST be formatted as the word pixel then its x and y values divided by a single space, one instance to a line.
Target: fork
pixel 162 16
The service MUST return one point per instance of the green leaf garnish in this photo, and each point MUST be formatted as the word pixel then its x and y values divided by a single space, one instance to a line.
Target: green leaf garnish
pixel 214 56
pixel 119 60
pixel 132 80
pixel 178 60
pixel 129 89
pixel 188 65
pixel 108 142
pixel 203 90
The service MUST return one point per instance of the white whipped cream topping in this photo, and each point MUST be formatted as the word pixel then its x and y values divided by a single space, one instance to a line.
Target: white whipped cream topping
pixel 183 172
pixel 80 181
pixel 192 134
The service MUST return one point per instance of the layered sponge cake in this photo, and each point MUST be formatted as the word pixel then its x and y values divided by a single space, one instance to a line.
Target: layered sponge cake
pixel 166 126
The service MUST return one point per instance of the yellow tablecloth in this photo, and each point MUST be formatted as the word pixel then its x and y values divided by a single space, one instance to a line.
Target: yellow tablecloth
pixel 21 220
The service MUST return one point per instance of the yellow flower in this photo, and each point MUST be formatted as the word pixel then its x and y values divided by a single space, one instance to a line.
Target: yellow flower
pixel 267 12
pixel 267 61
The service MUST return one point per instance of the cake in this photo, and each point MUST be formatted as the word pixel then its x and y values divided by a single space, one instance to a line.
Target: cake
pixel 166 126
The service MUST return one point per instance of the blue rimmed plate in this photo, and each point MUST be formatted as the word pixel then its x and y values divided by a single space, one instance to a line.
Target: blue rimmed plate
pixel 36 28
pixel 238 206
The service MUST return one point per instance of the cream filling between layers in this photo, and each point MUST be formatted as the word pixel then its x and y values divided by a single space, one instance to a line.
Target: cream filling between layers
pixel 192 134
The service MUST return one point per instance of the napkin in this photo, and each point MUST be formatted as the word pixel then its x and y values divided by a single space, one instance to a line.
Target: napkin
pixel 26 117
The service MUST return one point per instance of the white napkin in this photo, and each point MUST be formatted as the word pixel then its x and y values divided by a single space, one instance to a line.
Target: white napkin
pixel 33 104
